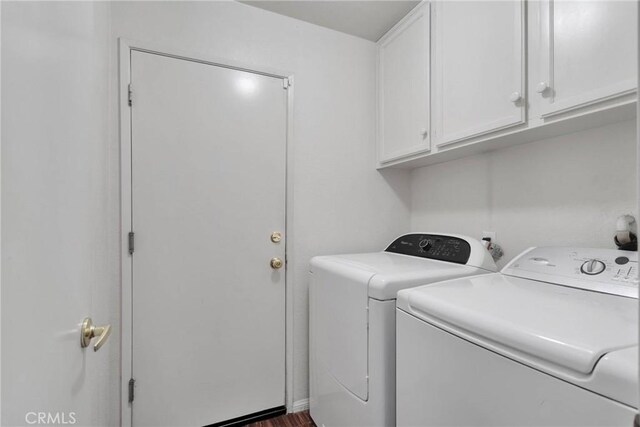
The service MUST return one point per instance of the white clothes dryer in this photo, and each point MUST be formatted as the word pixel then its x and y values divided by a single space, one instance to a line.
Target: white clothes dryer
pixel 352 321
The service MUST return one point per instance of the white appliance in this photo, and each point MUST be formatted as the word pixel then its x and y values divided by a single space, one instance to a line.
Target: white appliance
pixel 352 321
pixel 552 340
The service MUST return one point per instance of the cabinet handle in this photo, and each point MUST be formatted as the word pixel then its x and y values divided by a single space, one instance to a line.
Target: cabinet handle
pixel 515 97
pixel 424 132
pixel 542 86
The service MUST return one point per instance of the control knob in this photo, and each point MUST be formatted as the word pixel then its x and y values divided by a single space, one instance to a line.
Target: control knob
pixel 593 267
pixel 425 244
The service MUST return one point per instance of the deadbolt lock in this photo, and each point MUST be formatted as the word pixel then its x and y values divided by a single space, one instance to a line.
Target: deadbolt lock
pixel 276 263
pixel 276 237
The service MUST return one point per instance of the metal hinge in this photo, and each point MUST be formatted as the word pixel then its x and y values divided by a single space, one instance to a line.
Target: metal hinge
pixel 286 83
pixel 132 384
pixel 367 308
pixel 130 95
pixel 131 242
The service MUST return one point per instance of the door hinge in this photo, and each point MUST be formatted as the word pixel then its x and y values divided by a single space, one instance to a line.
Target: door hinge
pixel 286 83
pixel 132 384
pixel 131 242
pixel 130 95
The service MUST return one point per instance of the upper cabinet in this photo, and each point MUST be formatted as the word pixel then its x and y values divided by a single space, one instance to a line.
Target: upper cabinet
pixel 403 87
pixel 478 68
pixel 587 53
pixel 502 73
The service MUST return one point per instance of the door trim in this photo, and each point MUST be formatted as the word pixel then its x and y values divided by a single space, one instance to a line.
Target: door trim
pixel 125 47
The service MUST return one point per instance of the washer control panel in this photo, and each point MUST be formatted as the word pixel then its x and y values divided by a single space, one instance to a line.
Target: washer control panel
pixel 432 246
pixel 603 270
pixel 593 267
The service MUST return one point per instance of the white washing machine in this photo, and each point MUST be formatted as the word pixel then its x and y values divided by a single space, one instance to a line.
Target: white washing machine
pixel 352 321
pixel 552 340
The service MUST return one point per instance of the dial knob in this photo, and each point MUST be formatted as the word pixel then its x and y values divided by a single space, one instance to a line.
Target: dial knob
pixel 425 244
pixel 593 267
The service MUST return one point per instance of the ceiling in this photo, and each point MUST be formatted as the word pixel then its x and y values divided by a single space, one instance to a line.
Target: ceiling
pixel 367 19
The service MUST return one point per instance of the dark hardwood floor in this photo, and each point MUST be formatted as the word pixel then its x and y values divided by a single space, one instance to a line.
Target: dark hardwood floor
pixel 299 419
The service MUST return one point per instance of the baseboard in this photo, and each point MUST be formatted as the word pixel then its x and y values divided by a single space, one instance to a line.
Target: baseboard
pixel 300 405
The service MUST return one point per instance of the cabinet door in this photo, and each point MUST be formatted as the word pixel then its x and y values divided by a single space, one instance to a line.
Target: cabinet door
pixel 403 88
pixel 588 53
pixel 479 68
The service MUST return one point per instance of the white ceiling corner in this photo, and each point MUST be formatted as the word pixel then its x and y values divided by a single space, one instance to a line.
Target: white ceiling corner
pixel 368 19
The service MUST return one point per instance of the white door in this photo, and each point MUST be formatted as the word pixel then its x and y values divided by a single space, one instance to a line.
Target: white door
pixel 588 52
pixel 208 189
pixel 403 88
pixel 479 68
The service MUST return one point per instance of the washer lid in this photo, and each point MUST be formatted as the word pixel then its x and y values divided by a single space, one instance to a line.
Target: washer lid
pixel 556 328
pixel 616 376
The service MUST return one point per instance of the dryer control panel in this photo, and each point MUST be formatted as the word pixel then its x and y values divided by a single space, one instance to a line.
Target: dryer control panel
pixel 432 246
pixel 609 271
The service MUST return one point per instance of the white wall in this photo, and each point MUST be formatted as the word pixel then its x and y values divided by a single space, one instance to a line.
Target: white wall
pixel 60 176
pixel 561 191
pixel 59 248
pixel 340 202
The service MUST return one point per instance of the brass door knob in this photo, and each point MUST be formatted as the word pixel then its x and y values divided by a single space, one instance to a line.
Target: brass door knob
pixel 89 331
pixel 276 263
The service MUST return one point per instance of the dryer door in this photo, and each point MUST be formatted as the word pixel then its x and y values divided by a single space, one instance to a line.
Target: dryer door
pixel 339 324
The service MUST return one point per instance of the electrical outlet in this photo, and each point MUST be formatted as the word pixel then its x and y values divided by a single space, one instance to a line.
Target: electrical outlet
pixel 490 234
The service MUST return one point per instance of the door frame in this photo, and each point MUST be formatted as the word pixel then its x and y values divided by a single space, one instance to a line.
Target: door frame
pixel 125 47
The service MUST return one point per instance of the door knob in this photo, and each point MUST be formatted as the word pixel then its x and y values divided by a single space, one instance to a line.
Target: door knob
pixel 542 86
pixel 515 97
pixel 89 331
pixel 276 263
pixel 424 132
